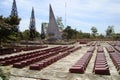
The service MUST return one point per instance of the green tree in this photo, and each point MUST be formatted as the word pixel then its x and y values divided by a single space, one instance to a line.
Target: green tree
pixel 32 34
pixel 14 22
pixel 74 33
pixel 80 34
pixel 26 35
pixel 5 30
pixel 42 32
pixel 110 31
pixel 116 36
pixel 9 28
pixel 68 32
pixel 59 23
pixel 94 31
pixel 37 34
pixel 86 35
pixel 101 36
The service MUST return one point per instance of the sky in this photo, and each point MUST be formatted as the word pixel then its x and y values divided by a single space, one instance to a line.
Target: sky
pixel 79 14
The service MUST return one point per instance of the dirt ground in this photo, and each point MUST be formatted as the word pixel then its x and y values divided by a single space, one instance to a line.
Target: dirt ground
pixel 60 69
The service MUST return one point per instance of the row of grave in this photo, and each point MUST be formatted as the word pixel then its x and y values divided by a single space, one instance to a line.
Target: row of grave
pixel 115 56
pixel 90 43
pixel 93 43
pixel 19 49
pixel 38 59
pixel 114 43
pixel 100 65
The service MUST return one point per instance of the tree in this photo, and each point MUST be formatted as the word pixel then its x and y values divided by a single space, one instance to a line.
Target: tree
pixel 5 30
pixel 59 23
pixel 110 31
pixel 9 28
pixel 26 34
pixel 101 36
pixel 68 32
pixel 32 34
pixel 86 35
pixel 116 36
pixel 14 22
pixel 94 31
pixel 42 31
pixel 37 34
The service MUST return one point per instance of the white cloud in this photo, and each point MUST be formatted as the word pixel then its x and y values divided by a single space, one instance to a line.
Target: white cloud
pixel 100 13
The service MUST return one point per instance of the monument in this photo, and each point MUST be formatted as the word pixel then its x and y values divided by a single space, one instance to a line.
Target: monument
pixel 53 30
pixel 14 13
pixel 32 25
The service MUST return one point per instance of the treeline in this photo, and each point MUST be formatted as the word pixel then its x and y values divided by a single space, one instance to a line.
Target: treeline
pixel 69 33
pixel 9 32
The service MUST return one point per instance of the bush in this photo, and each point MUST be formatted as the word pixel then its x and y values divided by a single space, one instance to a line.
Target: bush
pixel 4 73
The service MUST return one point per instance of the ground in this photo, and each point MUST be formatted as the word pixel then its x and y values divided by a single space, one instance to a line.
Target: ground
pixel 60 69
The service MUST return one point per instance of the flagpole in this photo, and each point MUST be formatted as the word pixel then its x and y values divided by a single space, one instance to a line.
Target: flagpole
pixel 65 14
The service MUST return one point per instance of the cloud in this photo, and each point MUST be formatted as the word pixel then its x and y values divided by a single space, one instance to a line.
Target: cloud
pixel 80 14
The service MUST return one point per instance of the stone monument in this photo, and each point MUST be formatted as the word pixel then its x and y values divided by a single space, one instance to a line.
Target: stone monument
pixel 53 30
